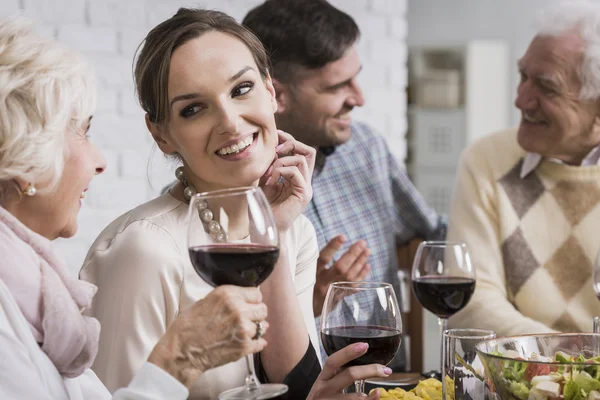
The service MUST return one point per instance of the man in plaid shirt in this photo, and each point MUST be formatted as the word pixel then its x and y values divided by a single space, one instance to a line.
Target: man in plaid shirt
pixel 363 203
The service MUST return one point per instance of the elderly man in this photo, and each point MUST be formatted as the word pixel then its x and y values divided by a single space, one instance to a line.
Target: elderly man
pixel 363 203
pixel 527 201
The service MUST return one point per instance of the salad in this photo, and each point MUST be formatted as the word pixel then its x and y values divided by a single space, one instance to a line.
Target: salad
pixel 542 378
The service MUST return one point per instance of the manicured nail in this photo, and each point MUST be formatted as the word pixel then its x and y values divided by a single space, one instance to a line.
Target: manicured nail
pixel 360 347
pixel 387 371
pixel 268 180
pixel 279 147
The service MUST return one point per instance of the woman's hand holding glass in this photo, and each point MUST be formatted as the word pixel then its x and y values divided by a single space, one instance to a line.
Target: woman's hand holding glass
pixel 219 329
pixel 334 378
pixel 289 196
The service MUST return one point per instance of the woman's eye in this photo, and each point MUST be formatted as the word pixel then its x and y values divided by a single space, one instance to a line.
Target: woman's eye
pixel 190 110
pixel 242 89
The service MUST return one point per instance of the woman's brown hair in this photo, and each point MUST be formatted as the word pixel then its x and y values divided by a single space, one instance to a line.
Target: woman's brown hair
pixel 153 58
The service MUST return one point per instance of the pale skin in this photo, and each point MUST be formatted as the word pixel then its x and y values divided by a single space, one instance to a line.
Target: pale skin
pixel 556 122
pixel 213 114
pixel 217 96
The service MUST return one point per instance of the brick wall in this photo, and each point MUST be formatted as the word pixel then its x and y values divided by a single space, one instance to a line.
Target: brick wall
pixel 108 32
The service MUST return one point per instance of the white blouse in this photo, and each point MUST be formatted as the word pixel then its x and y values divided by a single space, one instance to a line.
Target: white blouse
pixel 26 372
pixel 141 266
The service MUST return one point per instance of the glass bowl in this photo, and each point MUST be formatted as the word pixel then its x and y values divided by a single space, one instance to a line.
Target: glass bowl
pixel 542 367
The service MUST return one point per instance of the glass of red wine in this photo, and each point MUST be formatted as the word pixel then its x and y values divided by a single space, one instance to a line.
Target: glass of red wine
pixel 233 240
pixel 365 312
pixel 443 280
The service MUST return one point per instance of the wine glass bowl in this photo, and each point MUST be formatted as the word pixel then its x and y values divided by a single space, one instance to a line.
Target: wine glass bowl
pixel 596 276
pixel 233 240
pixel 364 312
pixel 221 255
pixel 443 277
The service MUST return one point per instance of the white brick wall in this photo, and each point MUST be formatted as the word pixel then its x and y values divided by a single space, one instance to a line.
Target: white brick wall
pixel 109 31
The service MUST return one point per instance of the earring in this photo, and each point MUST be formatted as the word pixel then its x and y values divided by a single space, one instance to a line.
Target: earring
pixel 30 190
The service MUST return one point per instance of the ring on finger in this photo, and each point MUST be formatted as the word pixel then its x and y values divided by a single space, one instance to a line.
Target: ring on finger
pixel 259 330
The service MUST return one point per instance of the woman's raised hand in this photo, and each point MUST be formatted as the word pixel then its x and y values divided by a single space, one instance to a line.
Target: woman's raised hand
pixel 287 183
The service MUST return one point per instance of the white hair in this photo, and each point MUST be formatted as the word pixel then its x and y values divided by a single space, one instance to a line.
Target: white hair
pixel 583 18
pixel 45 90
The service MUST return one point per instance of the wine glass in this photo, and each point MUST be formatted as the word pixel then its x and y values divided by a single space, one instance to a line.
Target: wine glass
pixel 362 312
pixel 443 281
pixel 233 240
pixel 596 278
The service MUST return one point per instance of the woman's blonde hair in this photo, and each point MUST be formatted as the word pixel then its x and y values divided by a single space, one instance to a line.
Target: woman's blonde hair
pixel 45 90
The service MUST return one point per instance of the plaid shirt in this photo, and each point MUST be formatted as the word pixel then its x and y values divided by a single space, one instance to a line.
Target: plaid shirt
pixel 361 191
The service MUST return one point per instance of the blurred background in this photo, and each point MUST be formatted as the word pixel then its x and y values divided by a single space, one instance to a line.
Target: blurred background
pixel 437 74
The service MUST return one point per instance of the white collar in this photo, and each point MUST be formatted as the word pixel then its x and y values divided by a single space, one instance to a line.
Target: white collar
pixel 532 160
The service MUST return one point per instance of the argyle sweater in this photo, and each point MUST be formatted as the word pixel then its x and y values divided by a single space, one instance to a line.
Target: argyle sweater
pixel 533 240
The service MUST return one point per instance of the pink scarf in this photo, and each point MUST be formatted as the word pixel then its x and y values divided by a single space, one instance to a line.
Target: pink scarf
pixel 50 300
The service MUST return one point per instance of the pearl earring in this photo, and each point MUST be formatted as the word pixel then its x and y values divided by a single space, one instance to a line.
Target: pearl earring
pixel 30 190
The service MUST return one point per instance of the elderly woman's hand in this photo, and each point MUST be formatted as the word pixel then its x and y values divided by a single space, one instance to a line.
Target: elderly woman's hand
pixel 290 195
pixel 333 379
pixel 216 330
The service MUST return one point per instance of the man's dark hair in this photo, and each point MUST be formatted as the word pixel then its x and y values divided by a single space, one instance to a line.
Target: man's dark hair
pixel 308 33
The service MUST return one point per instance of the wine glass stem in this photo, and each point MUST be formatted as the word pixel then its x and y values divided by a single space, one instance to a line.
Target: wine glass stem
pixel 359 386
pixel 443 322
pixel 252 382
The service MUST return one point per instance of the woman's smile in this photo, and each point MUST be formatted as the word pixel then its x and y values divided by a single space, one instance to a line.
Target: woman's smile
pixel 238 149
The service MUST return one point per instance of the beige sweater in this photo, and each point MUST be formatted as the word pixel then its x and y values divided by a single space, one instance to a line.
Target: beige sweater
pixel 533 240
pixel 141 266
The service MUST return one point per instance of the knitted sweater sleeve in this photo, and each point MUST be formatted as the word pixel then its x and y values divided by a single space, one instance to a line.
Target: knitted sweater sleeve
pixel 474 219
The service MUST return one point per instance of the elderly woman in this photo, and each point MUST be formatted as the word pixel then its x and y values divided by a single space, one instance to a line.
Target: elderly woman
pixel 47 97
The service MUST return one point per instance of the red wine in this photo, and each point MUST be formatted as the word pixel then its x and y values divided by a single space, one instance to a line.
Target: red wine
pixel 383 342
pixel 443 296
pixel 240 264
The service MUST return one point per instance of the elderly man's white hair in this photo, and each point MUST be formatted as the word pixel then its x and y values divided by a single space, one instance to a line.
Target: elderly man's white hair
pixel 583 18
pixel 45 90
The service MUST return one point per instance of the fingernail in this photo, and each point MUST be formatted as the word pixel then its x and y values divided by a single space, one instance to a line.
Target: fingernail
pixel 268 180
pixel 280 131
pixel 360 347
pixel 387 371
pixel 279 147
pixel 269 170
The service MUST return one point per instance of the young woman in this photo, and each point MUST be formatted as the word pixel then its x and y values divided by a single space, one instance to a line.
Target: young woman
pixel 203 81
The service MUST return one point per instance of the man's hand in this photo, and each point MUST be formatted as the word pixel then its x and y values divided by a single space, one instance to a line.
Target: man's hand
pixel 351 267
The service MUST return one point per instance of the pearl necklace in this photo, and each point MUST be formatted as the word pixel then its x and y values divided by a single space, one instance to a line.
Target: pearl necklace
pixel 215 229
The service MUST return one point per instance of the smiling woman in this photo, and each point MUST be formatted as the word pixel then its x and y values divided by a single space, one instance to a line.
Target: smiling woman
pixel 204 83
pixel 161 320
